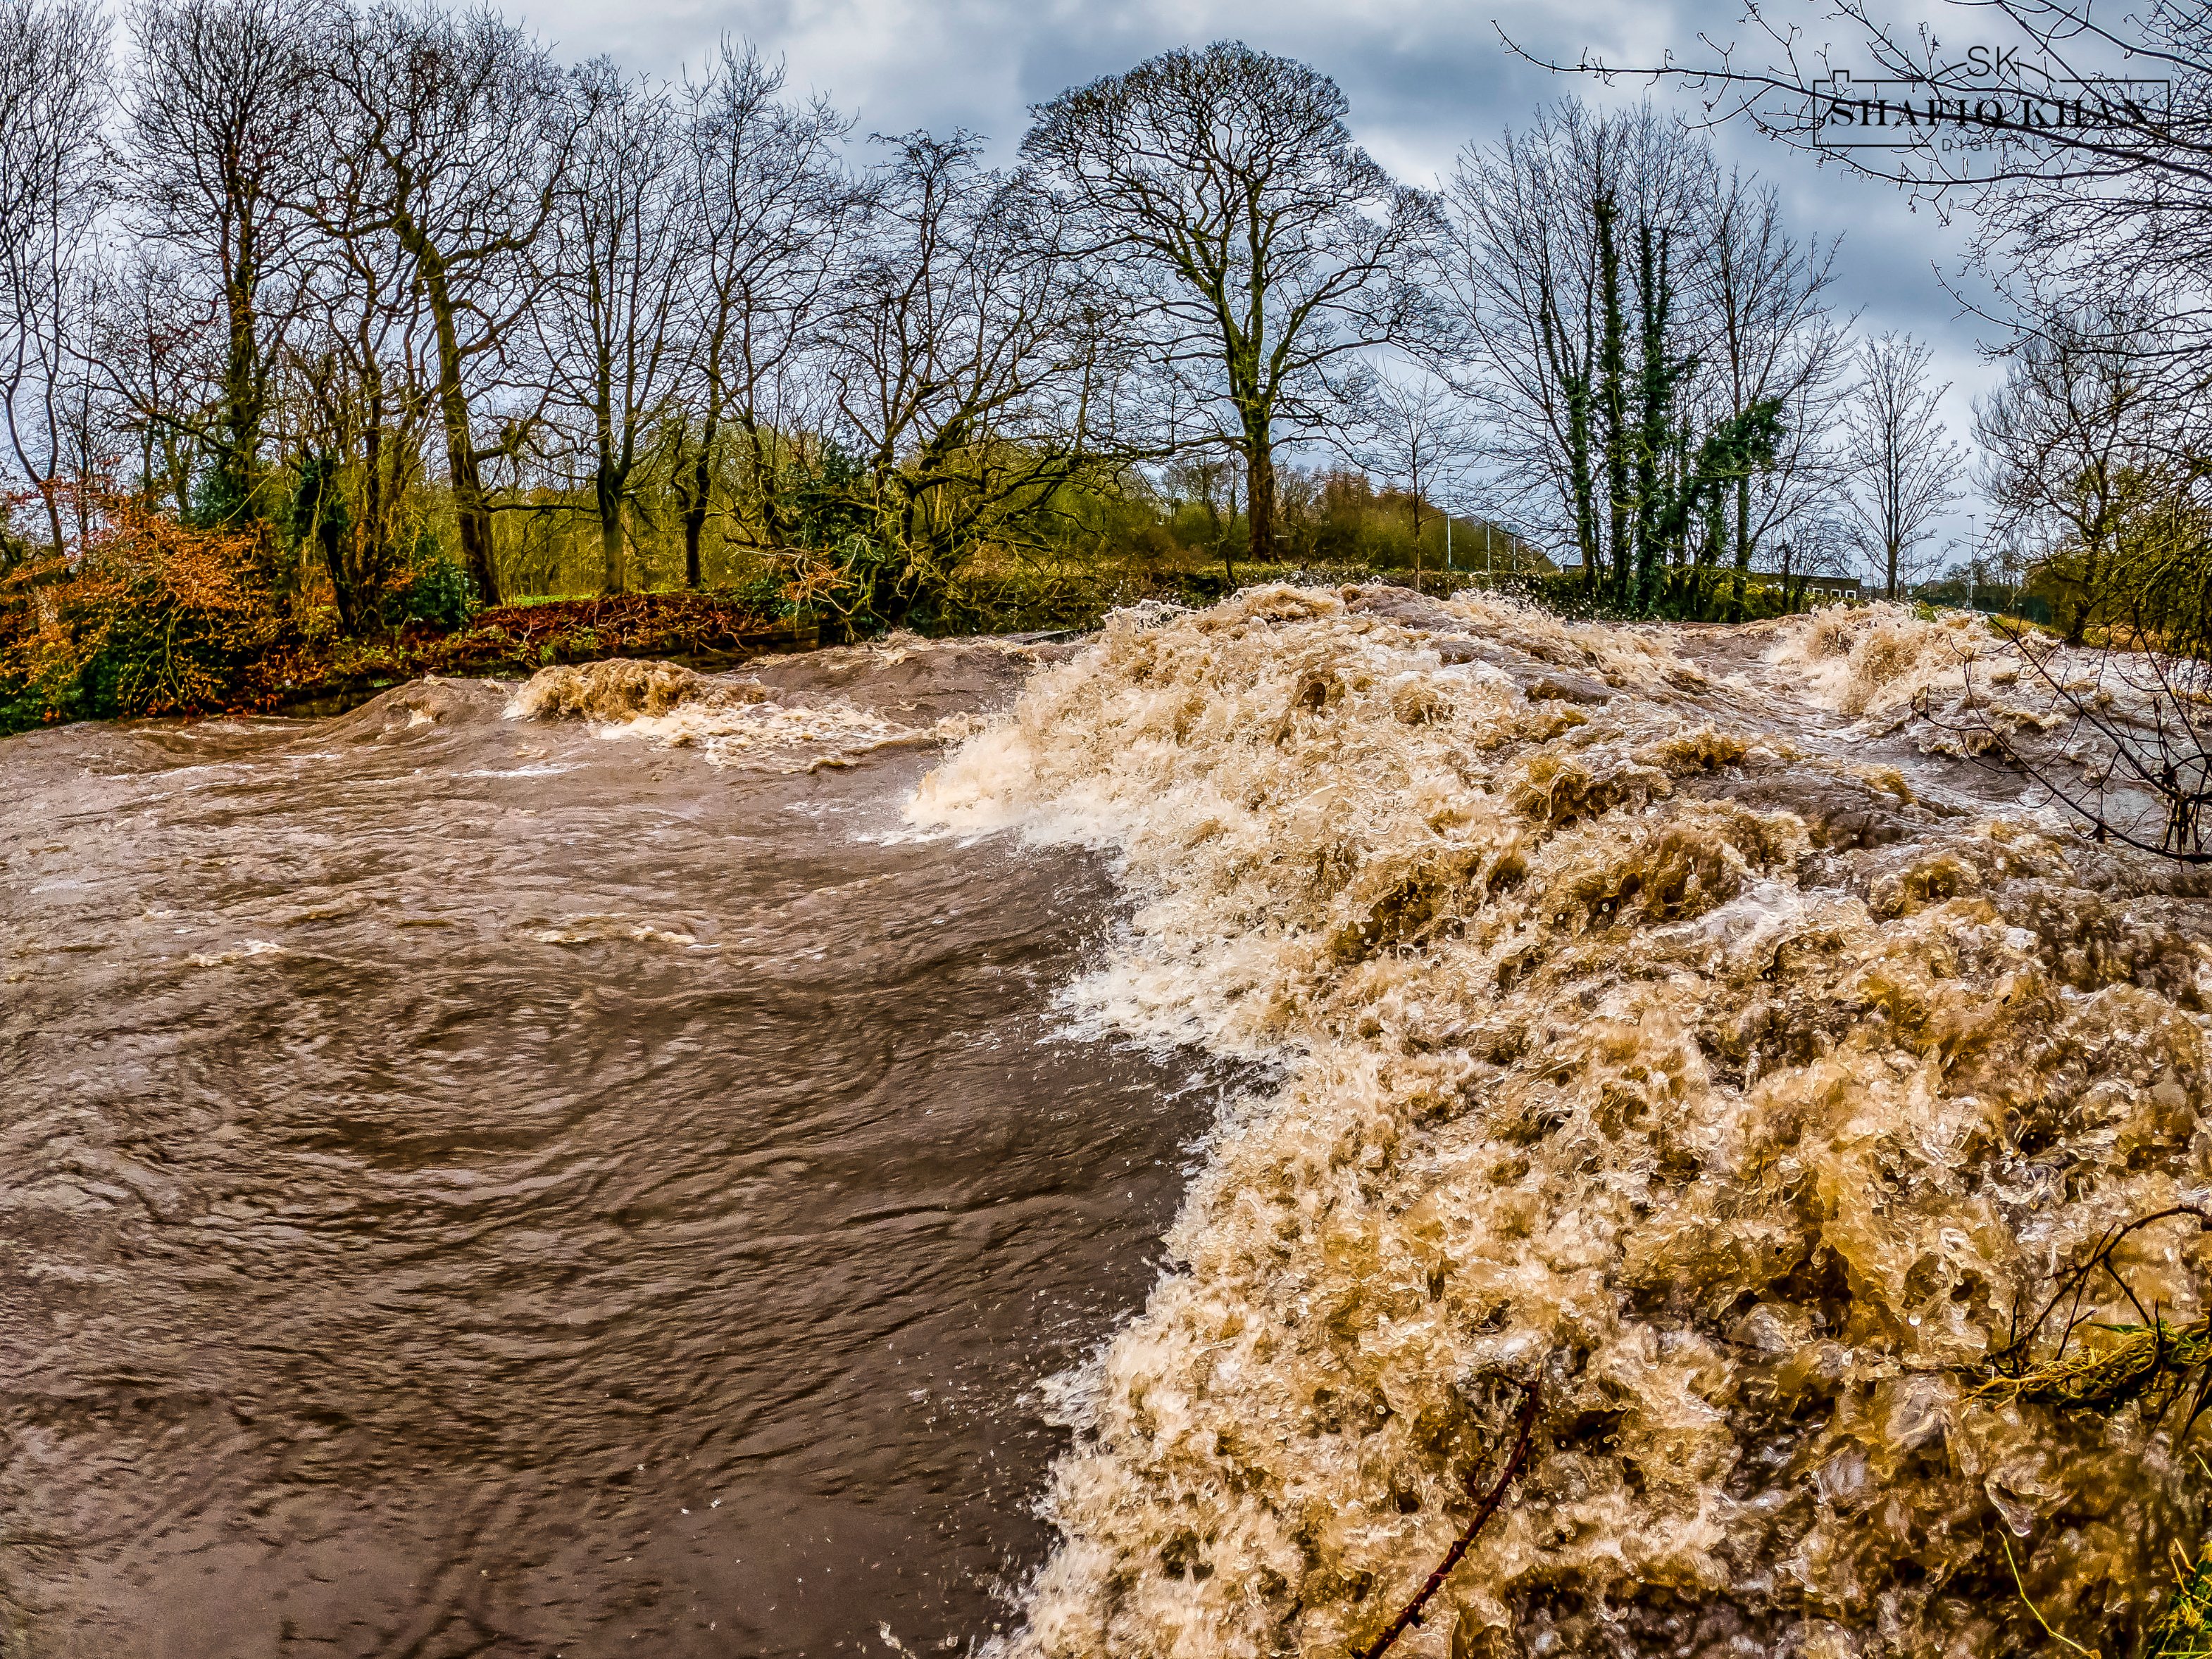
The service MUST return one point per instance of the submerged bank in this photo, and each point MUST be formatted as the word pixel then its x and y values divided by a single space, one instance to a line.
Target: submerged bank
pixel 476 1187
pixel 1663 1037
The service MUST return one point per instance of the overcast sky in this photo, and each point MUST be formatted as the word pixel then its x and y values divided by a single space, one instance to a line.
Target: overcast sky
pixel 1424 77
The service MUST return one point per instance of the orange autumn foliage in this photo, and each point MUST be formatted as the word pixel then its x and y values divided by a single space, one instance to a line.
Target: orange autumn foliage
pixel 149 616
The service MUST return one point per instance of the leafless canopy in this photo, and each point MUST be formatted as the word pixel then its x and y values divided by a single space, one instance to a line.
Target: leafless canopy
pixel 1654 351
pixel 1262 246
pixel 52 99
pixel 449 134
pixel 1904 472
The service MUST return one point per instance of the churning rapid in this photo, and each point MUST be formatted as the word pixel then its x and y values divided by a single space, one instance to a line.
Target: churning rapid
pixel 469 1187
pixel 1659 1026
pixel 473 1187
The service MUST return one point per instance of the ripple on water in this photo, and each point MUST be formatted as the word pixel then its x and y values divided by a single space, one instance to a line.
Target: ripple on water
pixel 406 1282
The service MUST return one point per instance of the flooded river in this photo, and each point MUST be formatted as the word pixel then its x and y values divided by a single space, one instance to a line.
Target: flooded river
pixel 468 1187
pixel 645 1168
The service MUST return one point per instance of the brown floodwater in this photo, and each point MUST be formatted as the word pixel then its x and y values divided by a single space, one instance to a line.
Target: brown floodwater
pixel 468 1187
pixel 1693 1033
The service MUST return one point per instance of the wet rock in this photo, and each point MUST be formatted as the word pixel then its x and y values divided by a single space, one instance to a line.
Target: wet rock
pixel 1567 688
pixel 1840 815
pixel 1456 649
pixel 1402 604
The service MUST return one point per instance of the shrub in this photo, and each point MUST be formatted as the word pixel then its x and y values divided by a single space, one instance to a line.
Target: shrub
pixel 438 590
pixel 152 617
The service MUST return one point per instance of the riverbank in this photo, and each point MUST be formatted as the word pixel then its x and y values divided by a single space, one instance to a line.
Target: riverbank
pixel 703 631
pixel 171 622
pixel 183 660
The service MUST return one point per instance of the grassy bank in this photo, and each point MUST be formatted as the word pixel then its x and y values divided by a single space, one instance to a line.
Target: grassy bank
pixel 155 618
pixel 181 634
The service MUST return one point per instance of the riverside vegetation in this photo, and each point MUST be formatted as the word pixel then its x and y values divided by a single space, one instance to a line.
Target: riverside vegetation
pixel 330 333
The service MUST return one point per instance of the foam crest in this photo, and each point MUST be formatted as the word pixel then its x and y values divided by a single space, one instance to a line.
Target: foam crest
pixel 730 722
pixel 1878 659
pixel 1711 1082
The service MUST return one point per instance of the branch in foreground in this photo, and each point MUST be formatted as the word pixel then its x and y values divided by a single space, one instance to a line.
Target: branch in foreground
pixel 1411 1614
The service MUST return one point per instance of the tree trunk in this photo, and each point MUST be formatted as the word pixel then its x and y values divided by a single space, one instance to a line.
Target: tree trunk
pixel 695 503
pixel 607 490
pixel 1743 549
pixel 1655 399
pixel 471 509
pixel 236 463
pixel 695 516
pixel 761 441
pixel 51 498
pixel 1260 496
pixel 1613 399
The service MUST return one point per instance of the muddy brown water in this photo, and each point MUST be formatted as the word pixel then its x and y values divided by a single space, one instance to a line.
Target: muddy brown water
pixel 468 1187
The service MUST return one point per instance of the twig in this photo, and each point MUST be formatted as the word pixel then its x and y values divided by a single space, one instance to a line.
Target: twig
pixel 1412 1614
pixel 2075 1280
pixel 2036 1611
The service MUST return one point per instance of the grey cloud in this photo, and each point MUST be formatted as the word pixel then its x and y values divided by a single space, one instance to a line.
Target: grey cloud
pixel 1424 79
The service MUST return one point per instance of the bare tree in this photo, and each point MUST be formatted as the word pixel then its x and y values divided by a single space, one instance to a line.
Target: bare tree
pixel 158 352
pixel 1523 275
pixel 1599 276
pixel 2067 443
pixel 774 212
pixel 1905 471
pixel 968 362
pixel 1268 245
pixel 218 128
pixel 619 251
pixel 450 135
pixel 1414 432
pixel 52 97
pixel 1772 338
pixel 357 407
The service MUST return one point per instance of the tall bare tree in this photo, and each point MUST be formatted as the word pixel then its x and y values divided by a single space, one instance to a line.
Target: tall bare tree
pixel 1225 186
pixel 450 134
pixel 1771 338
pixel 218 109
pixel 967 362
pixel 1415 432
pixel 618 251
pixel 1573 271
pixel 53 98
pixel 774 212
pixel 2068 443
pixel 159 354
pixel 1904 469
pixel 360 385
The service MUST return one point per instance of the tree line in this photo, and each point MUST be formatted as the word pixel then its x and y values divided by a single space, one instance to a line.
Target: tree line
pixel 391 291
pixel 2069 141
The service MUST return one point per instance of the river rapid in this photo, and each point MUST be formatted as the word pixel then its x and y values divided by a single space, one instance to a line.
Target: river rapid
pixel 471 1187
pixel 1678 1023
pixel 647 1165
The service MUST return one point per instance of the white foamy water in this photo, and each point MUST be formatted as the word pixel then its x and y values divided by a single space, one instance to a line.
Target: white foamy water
pixel 730 722
pixel 1639 1041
